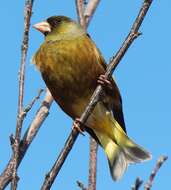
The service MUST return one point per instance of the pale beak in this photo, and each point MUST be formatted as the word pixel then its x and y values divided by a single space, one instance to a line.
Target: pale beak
pixel 42 27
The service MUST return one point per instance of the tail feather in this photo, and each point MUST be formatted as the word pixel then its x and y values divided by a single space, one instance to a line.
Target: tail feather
pixel 117 163
pixel 134 152
pixel 120 150
pixel 116 157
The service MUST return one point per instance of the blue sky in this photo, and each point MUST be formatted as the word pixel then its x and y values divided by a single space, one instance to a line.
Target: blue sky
pixel 143 77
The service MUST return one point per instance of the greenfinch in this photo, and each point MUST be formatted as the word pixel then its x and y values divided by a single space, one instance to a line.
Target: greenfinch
pixel 71 66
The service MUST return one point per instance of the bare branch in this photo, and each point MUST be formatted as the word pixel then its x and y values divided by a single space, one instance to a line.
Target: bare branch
pixel 90 9
pixel 50 177
pixel 80 12
pixel 81 186
pixel 24 48
pixel 159 163
pixel 30 105
pixel 35 125
pixel 30 134
pixel 92 167
pixel 138 183
pixel 24 113
pixel 92 164
pixel 131 36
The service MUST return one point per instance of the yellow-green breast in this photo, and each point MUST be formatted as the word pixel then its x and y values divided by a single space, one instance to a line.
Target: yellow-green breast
pixel 70 68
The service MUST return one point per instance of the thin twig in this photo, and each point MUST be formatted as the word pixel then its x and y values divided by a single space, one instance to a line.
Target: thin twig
pixel 81 186
pixel 92 165
pixel 24 113
pixel 90 9
pixel 159 163
pixel 30 134
pixel 80 12
pixel 24 48
pixel 30 105
pixel 138 183
pixel 50 177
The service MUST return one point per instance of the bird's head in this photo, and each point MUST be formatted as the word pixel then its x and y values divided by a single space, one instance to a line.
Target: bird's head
pixel 58 25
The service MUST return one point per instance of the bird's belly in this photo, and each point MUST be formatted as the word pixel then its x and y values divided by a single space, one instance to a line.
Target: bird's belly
pixel 71 92
pixel 70 75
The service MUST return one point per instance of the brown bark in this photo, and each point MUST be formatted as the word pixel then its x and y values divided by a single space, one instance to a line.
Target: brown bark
pixel 92 165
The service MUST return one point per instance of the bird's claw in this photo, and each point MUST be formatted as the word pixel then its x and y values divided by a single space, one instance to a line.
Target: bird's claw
pixel 76 124
pixel 102 80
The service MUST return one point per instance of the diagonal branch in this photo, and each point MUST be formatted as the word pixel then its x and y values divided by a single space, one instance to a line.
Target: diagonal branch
pixel 81 186
pixel 159 163
pixel 50 177
pixel 30 134
pixel 90 9
pixel 30 105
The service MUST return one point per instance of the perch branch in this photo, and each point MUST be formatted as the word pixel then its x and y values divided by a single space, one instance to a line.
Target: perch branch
pixel 159 163
pixel 24 48
pixel 50 177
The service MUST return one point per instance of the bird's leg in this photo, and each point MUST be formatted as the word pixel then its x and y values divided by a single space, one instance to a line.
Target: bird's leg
pixel 75 125
pixel 106 83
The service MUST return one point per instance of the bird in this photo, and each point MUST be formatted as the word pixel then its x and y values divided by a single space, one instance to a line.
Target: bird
pixel 72 66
